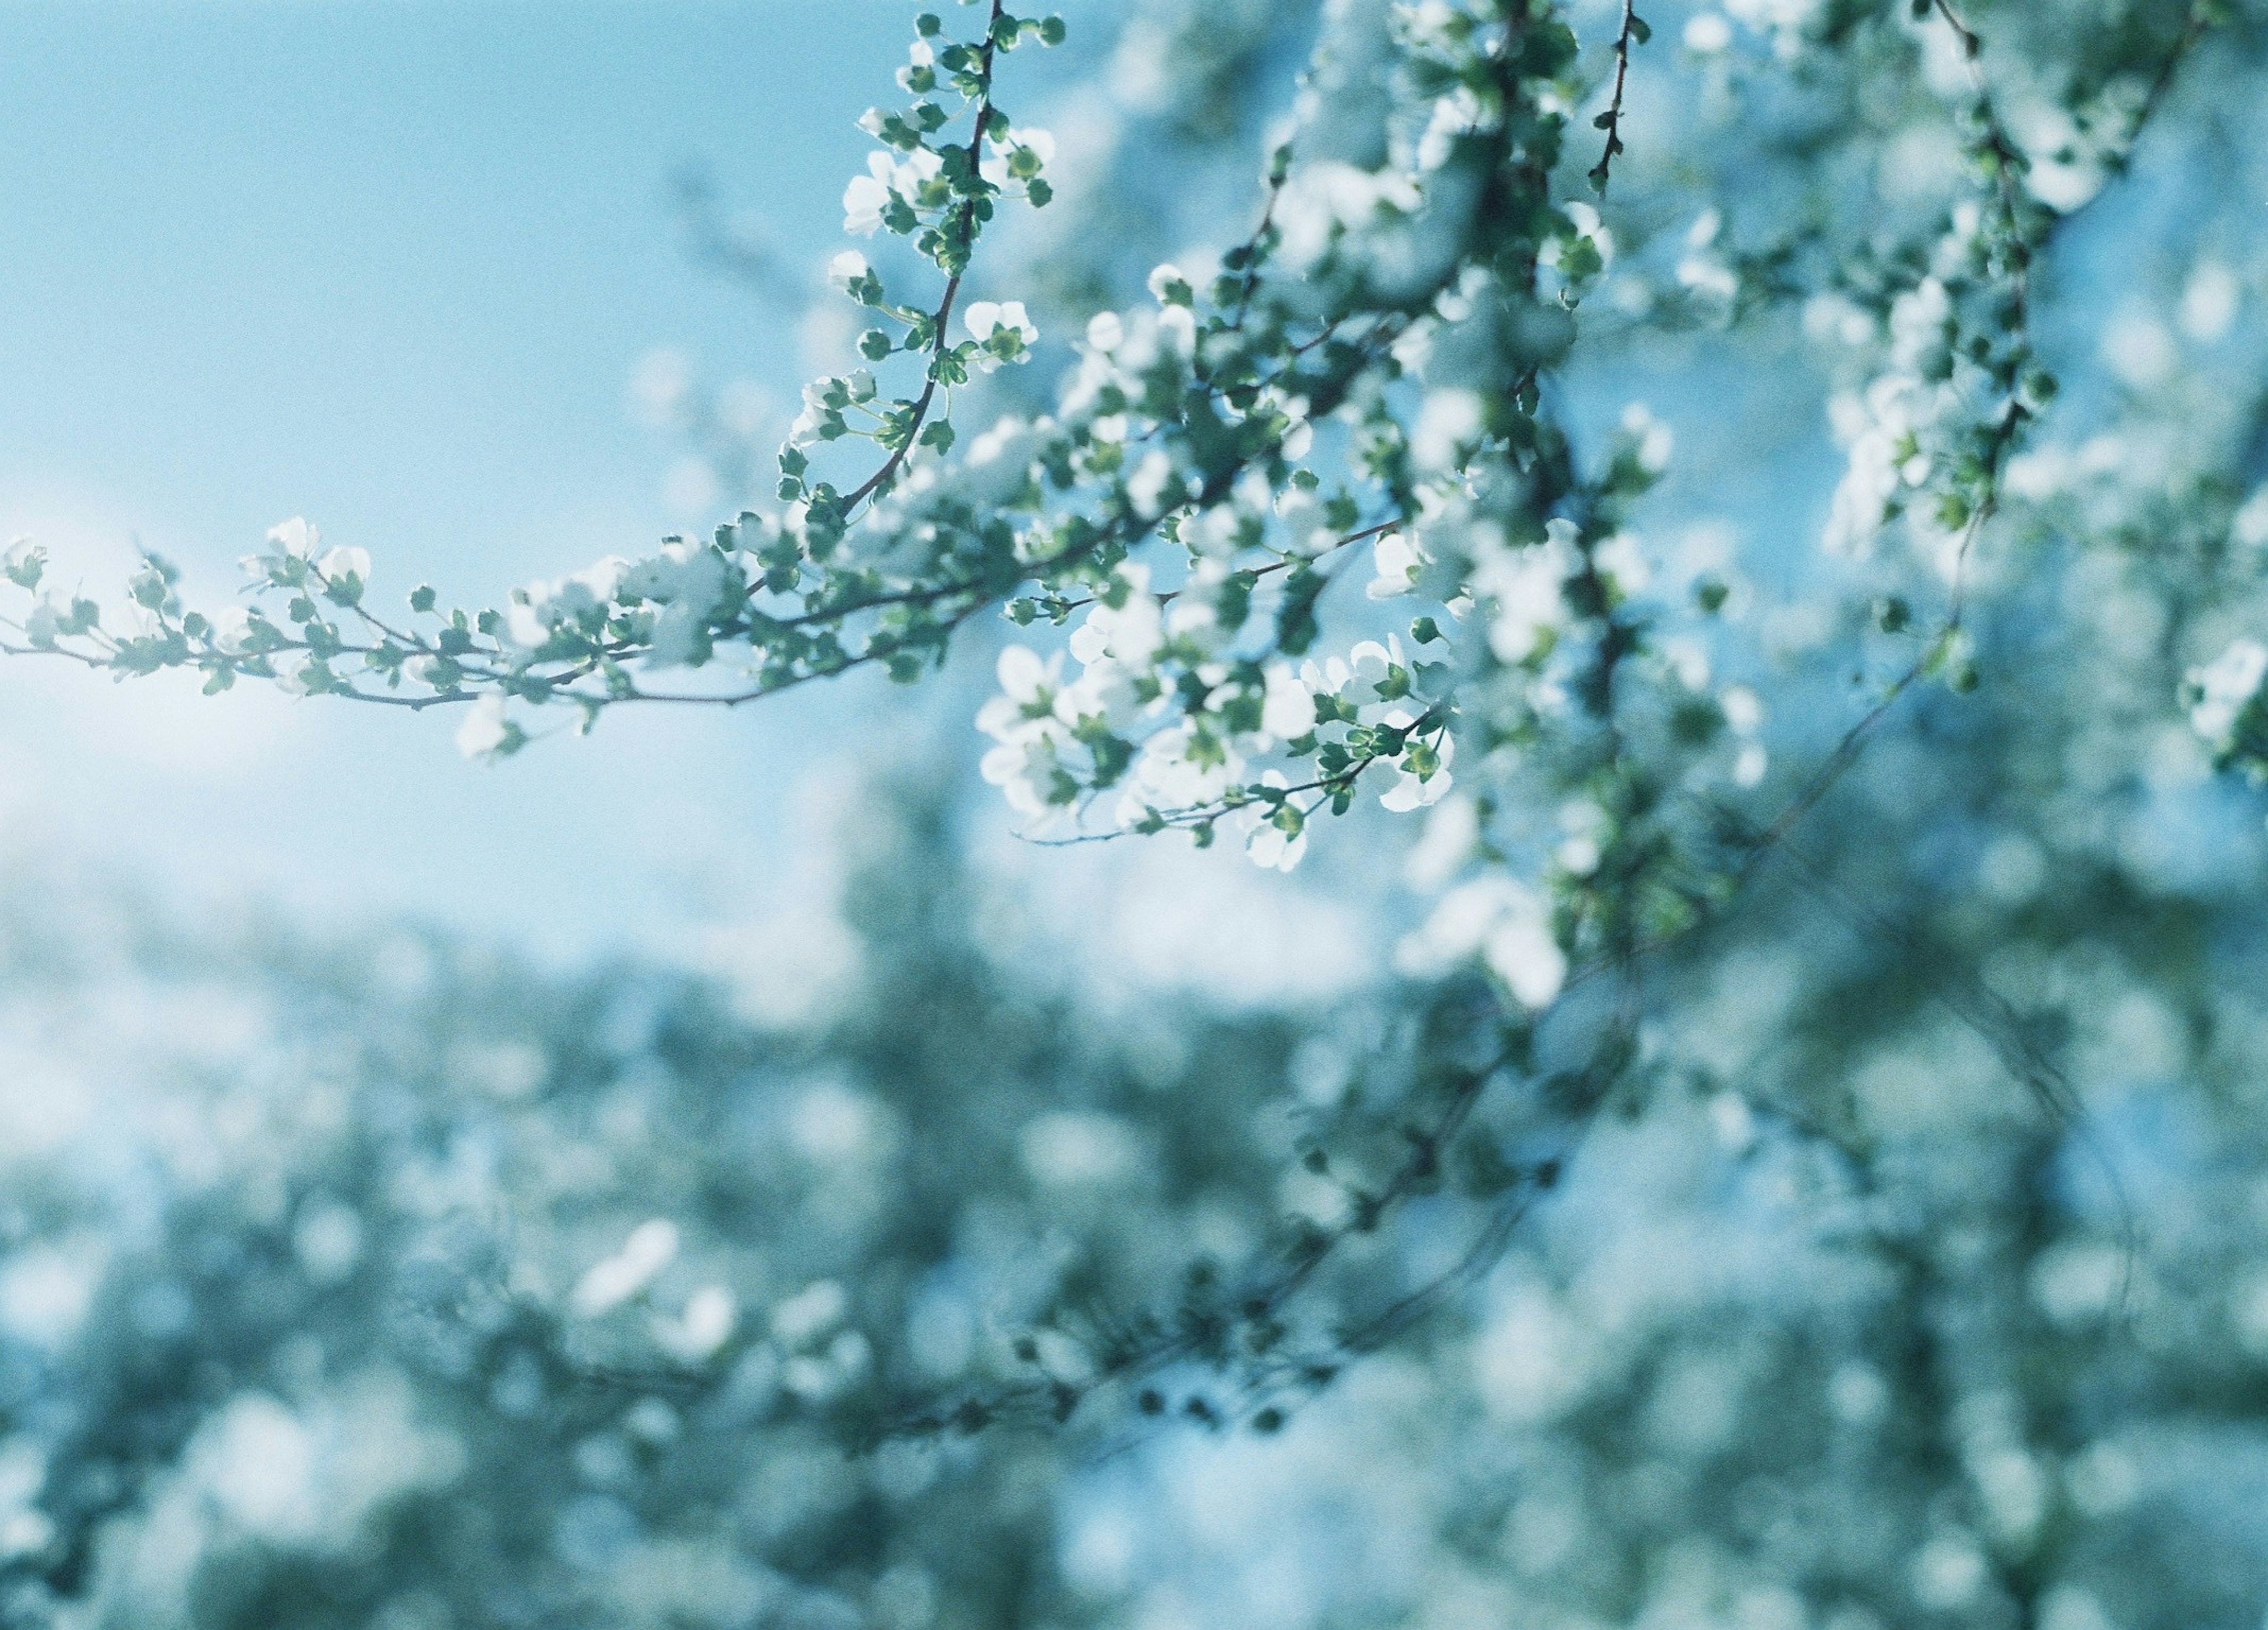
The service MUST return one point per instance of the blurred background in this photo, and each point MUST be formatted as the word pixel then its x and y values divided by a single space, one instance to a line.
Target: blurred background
pixel 434 1195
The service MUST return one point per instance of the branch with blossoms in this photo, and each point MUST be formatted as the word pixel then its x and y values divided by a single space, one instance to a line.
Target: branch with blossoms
pixel 1382 342
pixel 1184 426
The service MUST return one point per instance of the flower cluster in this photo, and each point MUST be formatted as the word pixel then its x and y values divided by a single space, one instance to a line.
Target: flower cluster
pixel 1364 385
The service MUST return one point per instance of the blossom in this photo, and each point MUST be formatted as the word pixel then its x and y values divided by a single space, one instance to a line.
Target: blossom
pixel 999 460
pixel 1275 833
pixel 232 629
pixel 1104 693
pixel 865 198
pixel 342 566
pixel 1506 924
pixel 1399 560
pixel 1004 329
pixel 1324 199
pixel 1025 771
pixel 2223 687
pixel 1152 486
pixel 1288 711
pixel 651 1246
pixel 294 543
pixel 485 729
pixel 1271 847
pixel 684 572
pixel 1131 632
pixel 868 197
pixel 849 268
pixel 1168 773
pixel 1025 763
pixel 1021 156
pixel 1027 688
pixel 1414 790
pixel 1167 286
pixel 1527 586
pixel 1449 420
pixel 295 537
pixel 582 599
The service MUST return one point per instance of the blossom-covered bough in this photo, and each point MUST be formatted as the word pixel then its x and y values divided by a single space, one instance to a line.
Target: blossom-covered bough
pixel 1371 384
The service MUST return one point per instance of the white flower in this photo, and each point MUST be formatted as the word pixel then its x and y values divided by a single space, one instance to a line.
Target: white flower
pixel 865 198
pixel 652 1247
pixel 1104 691
pixel 1131 633
pixel 540 608
pixel 1027 763
pixel 1023 771
pixel 1025 678
pixel 679 637
pixel 1022 720
pixel 1266 843
pixel 706 1325
pixel 1743 710
pixel 1399 561
pixel 296 671
pixel 1274 849
pixel 2223 687
pixel 338 564
pixel 1105 332
pixel 999 165
pixel 232 627
pixel 1655 439
pixel 1450 418
pixel 1411 791
pixel 849 268
pixel 986 320
pixel 1371 666
pixel 1325 198
pixel 1521 952
pixel 1153 484
pixel 1526 587
pixel 685 572
pixel 1165 777
pixel 1289 710
pixel 1623 558
pixel 1167 281
pixel 295 536
pixel 1507 924
pixel 486 731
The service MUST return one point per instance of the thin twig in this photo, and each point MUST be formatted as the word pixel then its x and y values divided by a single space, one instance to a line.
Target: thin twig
pixel 1611 121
